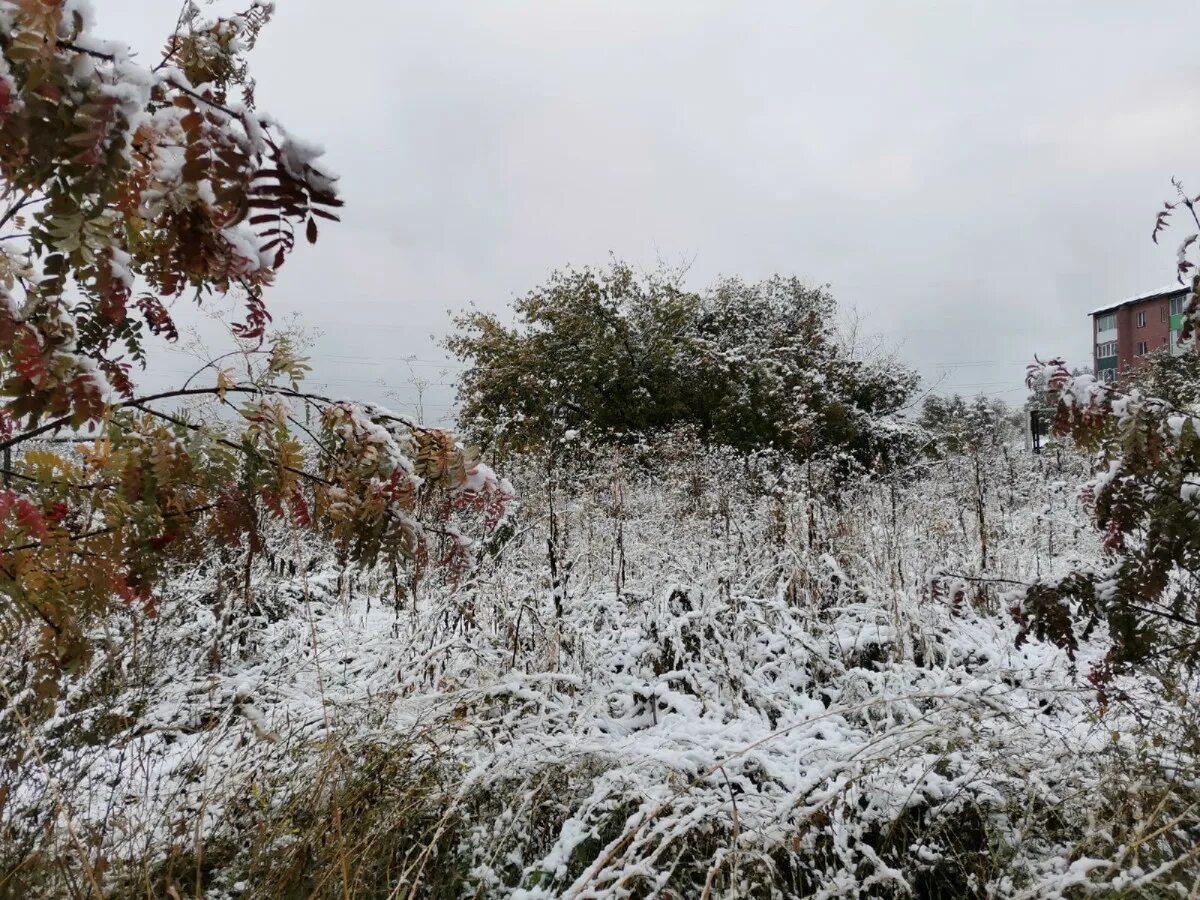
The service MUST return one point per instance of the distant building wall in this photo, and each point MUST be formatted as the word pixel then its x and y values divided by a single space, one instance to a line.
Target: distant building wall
pixel 1124 334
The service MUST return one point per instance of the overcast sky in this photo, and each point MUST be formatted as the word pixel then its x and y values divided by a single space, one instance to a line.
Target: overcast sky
pixel 971 178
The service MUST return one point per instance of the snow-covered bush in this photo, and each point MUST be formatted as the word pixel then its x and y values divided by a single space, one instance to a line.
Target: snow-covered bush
pixel 1144 498
pixel 614 357
pixel 713 684
pixel 956 424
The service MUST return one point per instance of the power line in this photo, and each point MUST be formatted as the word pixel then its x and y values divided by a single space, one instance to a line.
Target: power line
pixel 357 360
pixel 976 384
pixel 981 362
pixel 314 378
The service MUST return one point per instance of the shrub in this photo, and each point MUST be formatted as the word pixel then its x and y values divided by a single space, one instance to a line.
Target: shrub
pixel 613 356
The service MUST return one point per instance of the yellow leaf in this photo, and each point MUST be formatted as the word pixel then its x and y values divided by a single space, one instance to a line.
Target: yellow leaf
pixel 97 454
pixel 44 465
pixel 224 383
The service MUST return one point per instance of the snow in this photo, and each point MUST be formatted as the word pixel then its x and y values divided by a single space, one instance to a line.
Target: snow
pixel 118 262
pixel 480 478
pixel 8 87
pixel 246 245
pixel 718 679
pixel 88 368
pixel 1160 292
pixel 825 689
pixel 8 305
pixel 301 160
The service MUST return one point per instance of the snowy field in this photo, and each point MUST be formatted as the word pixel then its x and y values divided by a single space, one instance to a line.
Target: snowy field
pixel 734 686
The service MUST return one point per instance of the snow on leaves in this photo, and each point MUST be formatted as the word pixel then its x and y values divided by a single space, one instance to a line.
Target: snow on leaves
pixel 1143 502
pixel 738 717
pixel 124 182
pixel 124 173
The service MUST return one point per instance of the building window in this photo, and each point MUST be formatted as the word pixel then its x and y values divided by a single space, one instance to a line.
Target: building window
pixel 1106 322
pixel 1107 349
pixel 1141 319
pixel 1177 304
pixel 1164 312
pixel 1142 349
pixel 1108 374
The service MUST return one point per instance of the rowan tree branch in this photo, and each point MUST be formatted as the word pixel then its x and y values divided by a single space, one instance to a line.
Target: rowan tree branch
pixel 176 393
pixel 108 529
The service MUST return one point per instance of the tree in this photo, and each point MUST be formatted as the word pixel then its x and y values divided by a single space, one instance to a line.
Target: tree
pixel 958 425
pixel 1174 379
pixel 127 189
pixel 611 356
pixel 1145 498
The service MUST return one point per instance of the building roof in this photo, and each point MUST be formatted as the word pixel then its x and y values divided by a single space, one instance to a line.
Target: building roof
pixel 1149 295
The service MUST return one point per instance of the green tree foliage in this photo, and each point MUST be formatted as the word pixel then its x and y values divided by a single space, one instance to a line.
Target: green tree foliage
pixel 958 425
pixel 610 355
pixel 1173 379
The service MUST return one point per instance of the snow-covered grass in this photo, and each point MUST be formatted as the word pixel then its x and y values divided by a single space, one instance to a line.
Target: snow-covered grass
pixel 741 683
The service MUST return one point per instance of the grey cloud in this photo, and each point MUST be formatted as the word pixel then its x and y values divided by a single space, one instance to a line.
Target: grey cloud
pixel 972 177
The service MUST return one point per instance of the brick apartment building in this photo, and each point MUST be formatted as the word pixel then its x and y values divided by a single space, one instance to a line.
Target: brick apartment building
pixel 1124 332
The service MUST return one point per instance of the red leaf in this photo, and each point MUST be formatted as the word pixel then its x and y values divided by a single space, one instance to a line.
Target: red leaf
pixel 300 509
